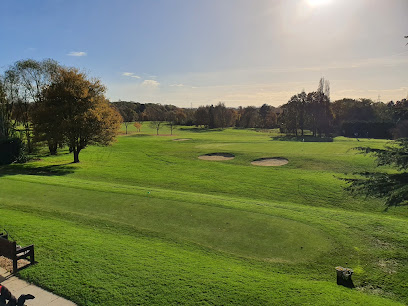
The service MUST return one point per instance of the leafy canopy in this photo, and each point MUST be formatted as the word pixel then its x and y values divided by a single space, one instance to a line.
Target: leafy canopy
pixel 80 113
pixel 392 187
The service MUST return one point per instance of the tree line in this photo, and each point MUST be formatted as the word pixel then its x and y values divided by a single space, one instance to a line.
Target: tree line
pixel 362 118
pixel 312 113
pixel 209 116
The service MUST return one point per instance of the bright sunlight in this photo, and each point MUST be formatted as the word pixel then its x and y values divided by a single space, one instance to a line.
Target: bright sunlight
pixel 317 2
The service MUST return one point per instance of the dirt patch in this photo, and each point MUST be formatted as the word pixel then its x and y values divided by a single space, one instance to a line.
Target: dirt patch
pixel 388 265
pixel 182 139
pixel 270 162
pixel 7 264
pixel 217 156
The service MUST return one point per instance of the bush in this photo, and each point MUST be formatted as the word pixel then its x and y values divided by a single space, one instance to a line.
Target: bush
pixel 11 150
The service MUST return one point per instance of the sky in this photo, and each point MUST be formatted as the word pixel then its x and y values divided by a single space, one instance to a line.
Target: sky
pixel 199 52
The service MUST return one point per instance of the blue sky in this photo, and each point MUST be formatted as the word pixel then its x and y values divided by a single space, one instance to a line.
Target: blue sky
pixel 199 52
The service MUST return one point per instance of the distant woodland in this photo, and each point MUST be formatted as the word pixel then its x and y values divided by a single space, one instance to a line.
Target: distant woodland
pixel 305 113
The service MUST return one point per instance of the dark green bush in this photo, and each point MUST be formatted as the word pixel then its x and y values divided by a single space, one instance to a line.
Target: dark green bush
pixel 11 150
pixel 367 129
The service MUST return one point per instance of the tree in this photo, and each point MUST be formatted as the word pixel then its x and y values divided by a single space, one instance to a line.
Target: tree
pixel 85 116
pixel 294 114
pixel 318 109
pixel 211 121
pixel 319 113
pixel 181 116
pixel 202 116
pixel 271 119
pixel 5 113
pixel 249 117
pixel 290 116
pixel 9 96
pixel 27 81
pixel 46 119
pixel 171 119
pixel 399 111
pixel 156 125
pixel 129 115
pixel 138 126
pixel 268 116
pixel 392 187
pixel 156 115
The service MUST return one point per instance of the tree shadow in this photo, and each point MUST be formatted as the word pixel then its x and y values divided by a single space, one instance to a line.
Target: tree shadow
pixel 139 135
pixel 199 129
pixel 306 138
pixel 51 170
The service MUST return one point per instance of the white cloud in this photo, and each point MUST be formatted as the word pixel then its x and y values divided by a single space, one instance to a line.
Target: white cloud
pixel 130 74
pixel 177 85
pixel 75 53
pixel 150 83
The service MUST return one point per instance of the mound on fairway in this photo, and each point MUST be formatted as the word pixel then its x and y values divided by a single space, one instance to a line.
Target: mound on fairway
pixel 217 156
pixel 181 139
pixel 270 162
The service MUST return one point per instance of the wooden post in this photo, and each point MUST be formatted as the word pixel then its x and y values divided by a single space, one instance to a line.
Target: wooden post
pixel 32 260
pixel 344 277
pixel 14 258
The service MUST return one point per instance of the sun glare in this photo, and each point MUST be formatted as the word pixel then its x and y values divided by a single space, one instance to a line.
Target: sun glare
pixel 317 2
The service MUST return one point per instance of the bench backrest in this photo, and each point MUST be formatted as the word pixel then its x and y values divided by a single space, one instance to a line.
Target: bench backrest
pixel 7 248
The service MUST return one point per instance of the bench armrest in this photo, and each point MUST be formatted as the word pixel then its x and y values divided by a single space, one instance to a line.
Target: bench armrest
pixel 27 248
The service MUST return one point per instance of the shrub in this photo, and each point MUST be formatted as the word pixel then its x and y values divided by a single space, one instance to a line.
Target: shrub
pixel 11 150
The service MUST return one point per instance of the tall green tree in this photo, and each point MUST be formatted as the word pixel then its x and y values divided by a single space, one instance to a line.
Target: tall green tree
pixel 85 116
pixel 202 116
pixel 392 187
pixel 294 114
pixel 9 97
pixel 5 113
pixel 27 80
pixel 156 114
pixel 268 116
pixel 249 117
pixel 318 109
pixel 319 113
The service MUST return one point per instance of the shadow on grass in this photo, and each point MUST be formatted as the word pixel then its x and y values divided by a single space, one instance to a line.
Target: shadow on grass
pixel 52 170
pixel 306 138
pixel 199 130
pixel 139 135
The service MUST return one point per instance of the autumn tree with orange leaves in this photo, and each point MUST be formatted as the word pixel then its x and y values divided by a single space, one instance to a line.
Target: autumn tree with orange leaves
pixel 76 112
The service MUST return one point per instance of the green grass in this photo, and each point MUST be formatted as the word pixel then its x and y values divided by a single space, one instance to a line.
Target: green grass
pixel 146 222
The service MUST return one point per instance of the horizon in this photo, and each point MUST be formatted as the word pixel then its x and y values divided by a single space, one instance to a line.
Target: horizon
pixel 241 53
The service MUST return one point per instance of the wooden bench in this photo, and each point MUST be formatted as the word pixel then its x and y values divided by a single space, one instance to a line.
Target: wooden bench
pixel 11 250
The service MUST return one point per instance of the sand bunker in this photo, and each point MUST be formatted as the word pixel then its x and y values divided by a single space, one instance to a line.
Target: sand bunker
pixel 217 156
pixel 181 139
pixel 270 162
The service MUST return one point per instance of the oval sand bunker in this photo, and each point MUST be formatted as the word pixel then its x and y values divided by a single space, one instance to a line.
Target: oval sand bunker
pixel 217 156
pixel 270 162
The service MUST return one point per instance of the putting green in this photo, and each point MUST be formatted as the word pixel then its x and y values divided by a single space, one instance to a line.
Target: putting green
pixel 243 233
pixel 268 238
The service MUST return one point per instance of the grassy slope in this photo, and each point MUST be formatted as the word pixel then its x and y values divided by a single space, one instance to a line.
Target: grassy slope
pixel 205 232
